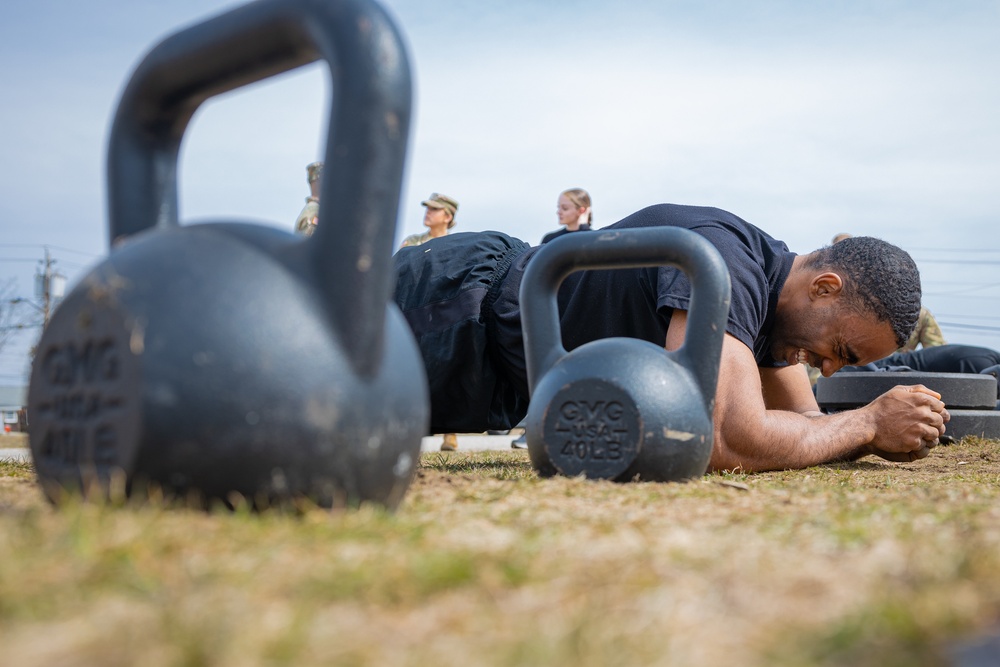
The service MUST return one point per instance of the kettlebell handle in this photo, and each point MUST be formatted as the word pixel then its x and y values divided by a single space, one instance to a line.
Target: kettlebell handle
pixel 628 248
pixel 365 150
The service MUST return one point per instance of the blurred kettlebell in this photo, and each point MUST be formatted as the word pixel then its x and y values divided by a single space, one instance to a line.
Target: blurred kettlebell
pixel 623 408
pixel 233 360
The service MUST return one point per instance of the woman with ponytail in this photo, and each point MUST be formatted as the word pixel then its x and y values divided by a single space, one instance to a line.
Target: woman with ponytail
pixel 573 209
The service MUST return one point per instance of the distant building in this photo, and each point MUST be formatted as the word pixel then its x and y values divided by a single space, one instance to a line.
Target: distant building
pixel 13 409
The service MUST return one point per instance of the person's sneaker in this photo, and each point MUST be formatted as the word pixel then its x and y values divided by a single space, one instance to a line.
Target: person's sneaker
pixel 520 443
pixel 450 443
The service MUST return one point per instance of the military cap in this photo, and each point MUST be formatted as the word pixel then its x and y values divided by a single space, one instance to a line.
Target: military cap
pixel 437 200
pixel 314 170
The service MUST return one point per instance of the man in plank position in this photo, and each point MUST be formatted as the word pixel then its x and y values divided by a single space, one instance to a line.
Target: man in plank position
pixel 846 304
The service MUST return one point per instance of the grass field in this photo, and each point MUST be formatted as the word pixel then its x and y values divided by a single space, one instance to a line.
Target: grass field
pixel 867 563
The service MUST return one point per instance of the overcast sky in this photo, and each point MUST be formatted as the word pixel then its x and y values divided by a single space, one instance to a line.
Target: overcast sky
pixel 804 118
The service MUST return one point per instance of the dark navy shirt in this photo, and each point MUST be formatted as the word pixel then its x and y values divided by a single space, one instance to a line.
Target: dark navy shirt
pixel 585 227
pixel 638 302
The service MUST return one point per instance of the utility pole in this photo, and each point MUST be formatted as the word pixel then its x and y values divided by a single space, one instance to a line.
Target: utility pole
pixel 49 286
pixel 47 281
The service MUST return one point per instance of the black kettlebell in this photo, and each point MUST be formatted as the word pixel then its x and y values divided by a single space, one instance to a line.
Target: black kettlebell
pixel 233 360
pixel 623 408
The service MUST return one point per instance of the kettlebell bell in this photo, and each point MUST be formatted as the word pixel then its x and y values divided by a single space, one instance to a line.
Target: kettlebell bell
pixel 232 360
pixel 623 408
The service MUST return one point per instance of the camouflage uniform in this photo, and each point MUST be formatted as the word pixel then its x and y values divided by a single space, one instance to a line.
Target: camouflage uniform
pixel 415 239
pixel 305 224
pixel 434 201
pixel 927 334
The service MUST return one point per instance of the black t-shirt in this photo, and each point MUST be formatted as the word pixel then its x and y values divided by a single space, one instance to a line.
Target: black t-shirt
pixel 638 302
pixel 585 227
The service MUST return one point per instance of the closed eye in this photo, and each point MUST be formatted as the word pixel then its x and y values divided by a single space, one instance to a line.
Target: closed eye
pixel 848 356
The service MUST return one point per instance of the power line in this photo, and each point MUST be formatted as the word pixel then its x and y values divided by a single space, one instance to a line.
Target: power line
pixel 953 250
pixel 994 318
pixel 72 265
pixel 990 262
pixel 938 283
pixel 78 252
pixel 49 245
pixel 19 327
pixel 977 297
pixel 971 327
pixel 966 290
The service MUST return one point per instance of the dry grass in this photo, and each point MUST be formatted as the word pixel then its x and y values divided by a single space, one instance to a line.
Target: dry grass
pixel 869 563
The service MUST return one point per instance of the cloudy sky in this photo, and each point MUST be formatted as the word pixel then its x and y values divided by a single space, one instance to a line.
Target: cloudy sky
pixel 804 118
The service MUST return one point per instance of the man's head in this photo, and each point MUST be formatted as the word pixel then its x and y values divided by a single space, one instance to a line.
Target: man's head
pixel 879 279
pixel 849 303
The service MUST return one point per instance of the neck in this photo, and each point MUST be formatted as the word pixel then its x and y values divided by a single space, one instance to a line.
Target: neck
pixel 797 281
pixel 438 231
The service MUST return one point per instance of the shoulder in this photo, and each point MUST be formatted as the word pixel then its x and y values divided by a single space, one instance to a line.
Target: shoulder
pixel 413 239
pixel 680 215
pixel 311 208
pixel 305 224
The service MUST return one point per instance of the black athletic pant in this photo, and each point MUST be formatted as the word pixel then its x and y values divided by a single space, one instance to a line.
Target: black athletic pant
pixel 944 359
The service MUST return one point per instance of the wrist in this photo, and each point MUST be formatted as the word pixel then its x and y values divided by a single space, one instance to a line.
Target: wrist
pixel 867 423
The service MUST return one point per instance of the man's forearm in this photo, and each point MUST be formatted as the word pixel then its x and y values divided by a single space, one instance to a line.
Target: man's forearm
pixel 787 441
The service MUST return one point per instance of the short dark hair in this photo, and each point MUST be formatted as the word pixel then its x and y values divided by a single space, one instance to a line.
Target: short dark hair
pixel 879 278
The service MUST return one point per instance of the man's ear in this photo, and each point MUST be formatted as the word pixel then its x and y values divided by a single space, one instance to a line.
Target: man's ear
pixel 826 285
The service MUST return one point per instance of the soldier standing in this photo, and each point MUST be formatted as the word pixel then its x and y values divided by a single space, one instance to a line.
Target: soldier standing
pixel 439 218
pixel 305 224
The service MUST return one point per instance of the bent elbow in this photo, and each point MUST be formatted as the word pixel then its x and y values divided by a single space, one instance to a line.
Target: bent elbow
pixel 725 459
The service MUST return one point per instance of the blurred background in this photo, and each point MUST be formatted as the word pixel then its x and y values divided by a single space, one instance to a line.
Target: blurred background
pixel 806 119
